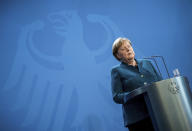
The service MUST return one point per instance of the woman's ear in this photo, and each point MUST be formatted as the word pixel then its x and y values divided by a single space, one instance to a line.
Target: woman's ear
pixel 118 56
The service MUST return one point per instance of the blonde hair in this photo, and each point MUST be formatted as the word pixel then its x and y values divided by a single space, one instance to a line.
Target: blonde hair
pixel 117 44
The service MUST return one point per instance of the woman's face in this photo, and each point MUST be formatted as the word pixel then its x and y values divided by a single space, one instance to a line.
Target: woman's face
pixel 125 51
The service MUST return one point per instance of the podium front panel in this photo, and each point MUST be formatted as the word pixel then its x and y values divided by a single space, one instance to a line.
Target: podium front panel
pixel 171 102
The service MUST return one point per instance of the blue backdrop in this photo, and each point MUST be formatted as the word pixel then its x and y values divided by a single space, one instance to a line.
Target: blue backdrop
pixel 56 58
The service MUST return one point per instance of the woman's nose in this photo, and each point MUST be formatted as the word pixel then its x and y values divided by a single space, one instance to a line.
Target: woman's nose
pixel 127 49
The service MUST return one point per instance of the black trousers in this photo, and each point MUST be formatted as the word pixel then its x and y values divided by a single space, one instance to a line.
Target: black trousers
pixel 143 125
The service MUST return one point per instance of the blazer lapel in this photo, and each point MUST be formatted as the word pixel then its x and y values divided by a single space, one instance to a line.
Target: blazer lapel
pixel 139 64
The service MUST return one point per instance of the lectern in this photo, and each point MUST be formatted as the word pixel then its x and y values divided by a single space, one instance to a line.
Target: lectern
pixel 169 103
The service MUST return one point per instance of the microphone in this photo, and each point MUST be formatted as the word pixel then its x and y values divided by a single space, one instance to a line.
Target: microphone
pixel 153 58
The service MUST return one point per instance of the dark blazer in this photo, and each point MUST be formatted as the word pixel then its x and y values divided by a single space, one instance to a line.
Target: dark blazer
pixel 126 78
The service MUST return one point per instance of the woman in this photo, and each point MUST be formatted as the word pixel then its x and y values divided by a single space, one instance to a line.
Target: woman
pixel 129 75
